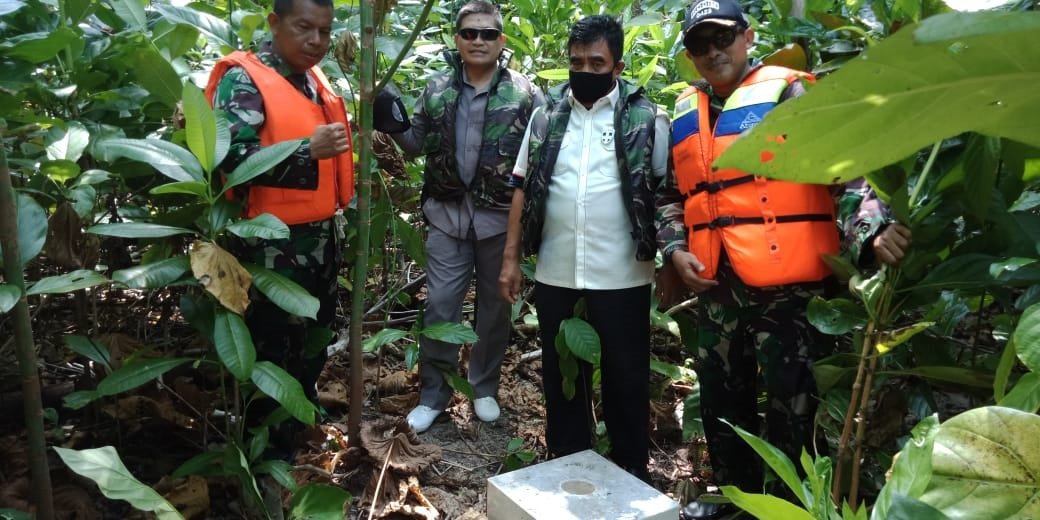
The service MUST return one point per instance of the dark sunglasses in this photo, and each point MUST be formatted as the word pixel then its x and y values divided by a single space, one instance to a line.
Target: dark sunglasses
pixel 487 35
pixel 720 39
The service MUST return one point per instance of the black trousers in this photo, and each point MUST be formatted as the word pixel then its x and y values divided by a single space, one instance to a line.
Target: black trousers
pixel 621 318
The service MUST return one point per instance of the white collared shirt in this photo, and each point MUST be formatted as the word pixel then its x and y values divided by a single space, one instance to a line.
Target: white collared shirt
pixel 587 236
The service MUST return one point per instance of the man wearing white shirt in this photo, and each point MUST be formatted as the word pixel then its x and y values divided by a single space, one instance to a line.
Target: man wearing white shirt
pixel 588 168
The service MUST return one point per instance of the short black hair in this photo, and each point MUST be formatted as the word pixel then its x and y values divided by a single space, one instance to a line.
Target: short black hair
pixel 478 7
pixel 597 27
pixel 284 7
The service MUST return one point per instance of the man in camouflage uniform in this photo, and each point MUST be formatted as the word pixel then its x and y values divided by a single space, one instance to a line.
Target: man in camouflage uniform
pixel 589 166
pixel 468 124
pixel 739 326
pixel 310 256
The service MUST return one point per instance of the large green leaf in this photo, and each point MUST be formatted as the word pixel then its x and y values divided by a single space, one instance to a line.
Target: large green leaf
pixel 213 27
pixel 200 126
pixel 1025 395
pixel 10 6
pixel 280 470
pixel 137 230
pixel 9 295
pixel 32 228
pixel 135 374
pixel 903 95
pixel 906 508
pixel 319 502
pixel 581 339
pixel 38 47
pixel 777 461
pixel 1027 337
pixel 450 332
pixel 71 144
pixel 154 275
pixel 277 383
pixel 171 160
pixel 234 344
pixel 95 351
pixel 383 337
pixel 103 466
pixel 283 292
pixel 986 464
pixel 156 75
pixel 912 470
pixel 765 506
pixel 74 281
pixel 132 14
pixel 836 316
pixel 260 162
pixel 264 225
pixel 197 188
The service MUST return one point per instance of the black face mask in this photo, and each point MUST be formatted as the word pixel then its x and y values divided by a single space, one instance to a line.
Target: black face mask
pixel 587 87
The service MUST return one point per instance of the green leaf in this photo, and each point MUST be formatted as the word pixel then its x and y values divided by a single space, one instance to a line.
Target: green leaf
pixel 319 502
pixel 383 337
pixel 906 508
pixel 835 317
pixel 1025 395
pixel 154 275
pixel 581 339
pixel 90 349
pixel 283 292
pixel 169 159
pixel 60 170
pixel 137 230
pixel 74 281
pixel 83 199
pixel 79 399
pixel 10 6
pixel 197 188
pixel 132 14
pixel 71 144
pixel 135 374
pixel 277 383
pixel 934 88
pixel 1003 371
pixel 987 456
pixel 103 466
pixel 264 225
pixel 9 296
pixel 765 506
pixel 668 370
pixel 967 270
pixel 450 333
pixel 32 228
pixel 258 442
pixel 458 383
pixel 213 27
pixel 912 469
pixel 891 339
pixel 780 463
pixel 207 463
pixel 236 464
pixel 38 47
pixel 280 470
pixel 234 344
pixel 260 162
pixel 200 126
pixel 7 513
pixel 1027 337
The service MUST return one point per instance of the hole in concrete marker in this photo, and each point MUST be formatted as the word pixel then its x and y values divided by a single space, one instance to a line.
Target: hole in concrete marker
pixel 578 487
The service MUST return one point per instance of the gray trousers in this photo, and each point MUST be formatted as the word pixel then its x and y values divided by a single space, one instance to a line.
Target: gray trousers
pixel 450 265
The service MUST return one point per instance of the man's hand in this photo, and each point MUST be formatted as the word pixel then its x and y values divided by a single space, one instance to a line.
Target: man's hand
pixel 329 141
pixel 388 113
pixel 687 265
pixel 891 244
pixel 669 286
pixel 510 280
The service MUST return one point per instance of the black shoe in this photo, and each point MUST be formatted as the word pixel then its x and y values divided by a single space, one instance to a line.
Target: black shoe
pixel 698 510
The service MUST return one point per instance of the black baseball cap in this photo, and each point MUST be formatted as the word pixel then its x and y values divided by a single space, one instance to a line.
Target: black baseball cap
pixel 722 12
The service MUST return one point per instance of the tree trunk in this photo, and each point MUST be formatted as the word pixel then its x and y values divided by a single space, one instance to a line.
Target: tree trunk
pixel 33 403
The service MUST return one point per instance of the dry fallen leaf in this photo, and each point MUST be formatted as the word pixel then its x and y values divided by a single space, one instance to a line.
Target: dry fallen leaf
pixel 398 404
pixel 220 273
pixel 393 438
pixel 397 382
pixel 66 243
pixel 333 394
pixel 189 495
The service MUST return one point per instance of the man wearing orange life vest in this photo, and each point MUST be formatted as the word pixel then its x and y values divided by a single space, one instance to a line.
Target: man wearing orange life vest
pixel 272 95
pixel 750 247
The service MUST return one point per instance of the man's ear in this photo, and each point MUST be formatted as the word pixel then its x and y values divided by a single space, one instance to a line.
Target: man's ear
pixel 618 67
pixel 749 34
pixel 272 20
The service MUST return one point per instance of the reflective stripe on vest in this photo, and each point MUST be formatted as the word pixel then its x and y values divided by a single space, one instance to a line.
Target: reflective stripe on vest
pixel 290 115
pixel 773 231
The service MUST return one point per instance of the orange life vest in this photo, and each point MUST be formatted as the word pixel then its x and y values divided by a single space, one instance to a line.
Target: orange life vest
pixel 774 231
pixel 288 114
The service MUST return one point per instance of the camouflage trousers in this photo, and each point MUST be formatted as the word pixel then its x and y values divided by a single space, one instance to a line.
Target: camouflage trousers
pixel 746 338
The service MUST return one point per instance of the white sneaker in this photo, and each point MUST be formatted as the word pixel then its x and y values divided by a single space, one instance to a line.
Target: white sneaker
pixel 421 417
pixel 486 408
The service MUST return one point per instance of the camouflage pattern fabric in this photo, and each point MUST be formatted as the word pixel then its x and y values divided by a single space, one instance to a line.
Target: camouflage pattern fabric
pixel 740 329
pixel 510 102
pixel 634 115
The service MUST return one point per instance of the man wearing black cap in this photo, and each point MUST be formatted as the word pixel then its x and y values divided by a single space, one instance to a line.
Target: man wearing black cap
pixel 750 247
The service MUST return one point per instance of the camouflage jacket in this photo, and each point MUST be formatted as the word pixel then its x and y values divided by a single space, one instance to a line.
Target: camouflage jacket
pixel 634 118
pixel 510 102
